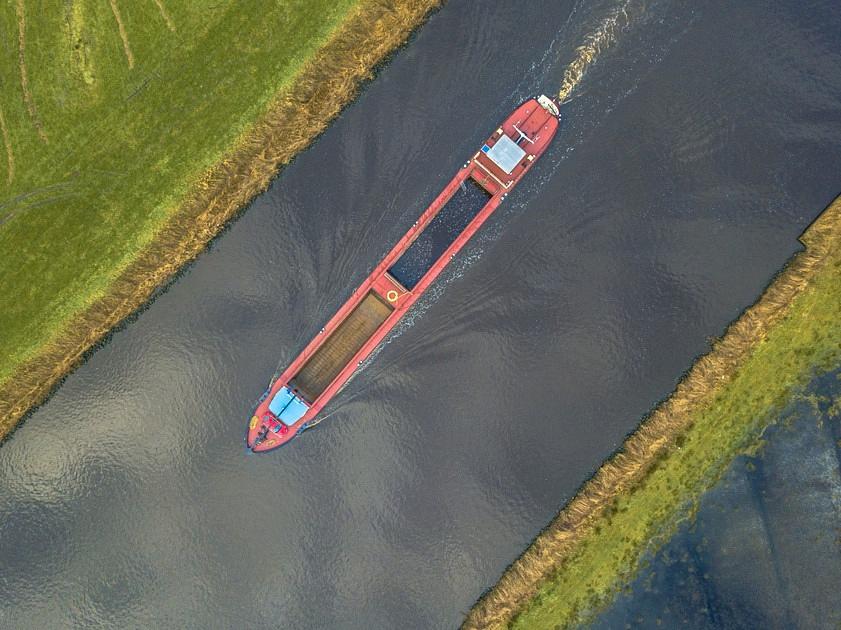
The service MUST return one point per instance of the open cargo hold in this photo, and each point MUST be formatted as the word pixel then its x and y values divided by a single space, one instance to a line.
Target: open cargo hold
pixel 445 228
pixel 340 347
pixel 293 402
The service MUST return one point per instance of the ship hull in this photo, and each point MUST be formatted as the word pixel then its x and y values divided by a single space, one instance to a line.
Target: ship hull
pixel 294 401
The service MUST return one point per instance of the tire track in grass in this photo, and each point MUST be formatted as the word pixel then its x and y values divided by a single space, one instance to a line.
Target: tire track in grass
pixel 615 515
pixel 165 15
pixel 10 157
pixel 24 76
pixel 123 35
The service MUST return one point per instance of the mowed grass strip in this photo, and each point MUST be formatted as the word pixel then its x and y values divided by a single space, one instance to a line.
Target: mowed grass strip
pixel 634 501
pixel 99 152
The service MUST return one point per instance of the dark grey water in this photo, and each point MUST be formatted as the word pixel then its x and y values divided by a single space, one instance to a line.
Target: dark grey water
pixel 695 152
pixel 764 549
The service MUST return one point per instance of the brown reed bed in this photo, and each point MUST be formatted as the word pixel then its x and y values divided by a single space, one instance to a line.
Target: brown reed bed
pixel 662 430
pixel 327 83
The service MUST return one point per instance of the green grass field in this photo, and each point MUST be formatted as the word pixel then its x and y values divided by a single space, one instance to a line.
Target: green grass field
pixel 109 111
pixel 808 339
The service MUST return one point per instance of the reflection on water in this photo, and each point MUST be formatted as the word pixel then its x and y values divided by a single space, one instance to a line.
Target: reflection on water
pixel 763 550
pixel 677 186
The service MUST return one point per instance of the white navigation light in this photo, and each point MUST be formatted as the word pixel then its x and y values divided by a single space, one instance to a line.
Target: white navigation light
pixel 505 154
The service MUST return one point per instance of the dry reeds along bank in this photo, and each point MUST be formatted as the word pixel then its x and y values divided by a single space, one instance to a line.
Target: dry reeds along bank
pixel 327 83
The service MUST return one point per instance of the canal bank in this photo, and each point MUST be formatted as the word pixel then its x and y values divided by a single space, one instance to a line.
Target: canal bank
pixel 48 335
pixel 718 411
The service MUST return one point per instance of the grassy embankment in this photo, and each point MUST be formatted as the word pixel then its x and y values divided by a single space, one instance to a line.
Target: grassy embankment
pixel 132 131
pixel 718 410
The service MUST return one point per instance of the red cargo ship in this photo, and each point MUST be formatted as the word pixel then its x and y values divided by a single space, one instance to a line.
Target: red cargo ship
pixel 292 403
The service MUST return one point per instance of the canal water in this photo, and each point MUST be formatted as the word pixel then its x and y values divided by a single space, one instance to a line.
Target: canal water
pixel 693 152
